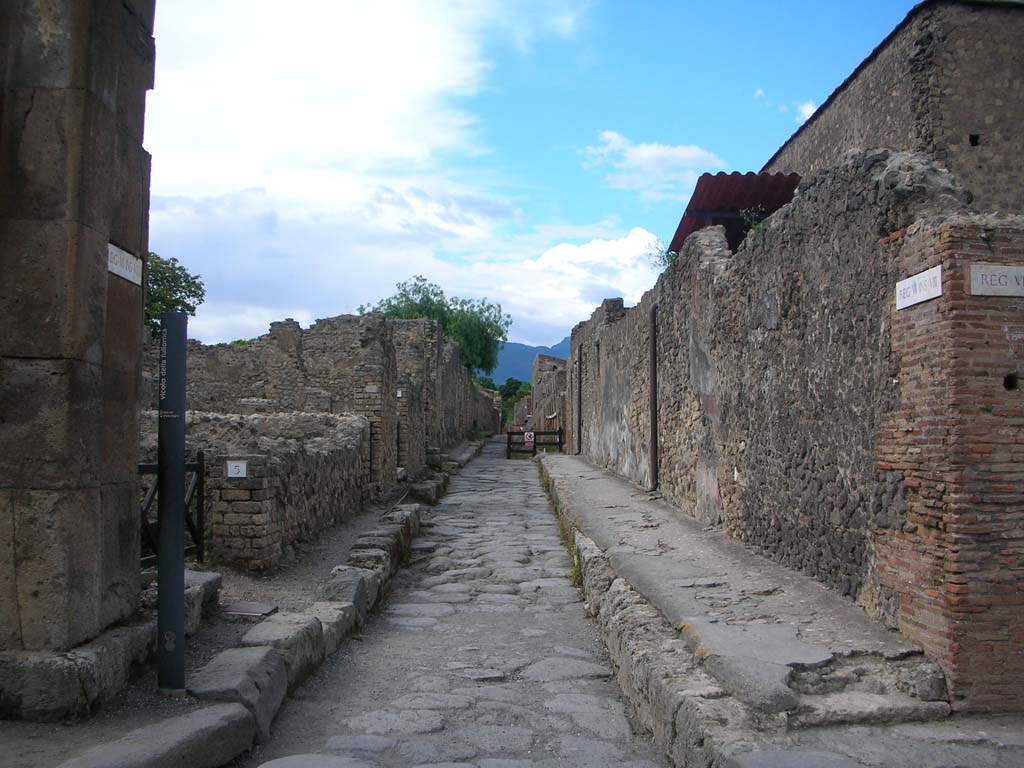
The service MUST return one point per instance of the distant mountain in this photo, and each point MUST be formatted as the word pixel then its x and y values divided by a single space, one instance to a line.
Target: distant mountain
pixel 515 361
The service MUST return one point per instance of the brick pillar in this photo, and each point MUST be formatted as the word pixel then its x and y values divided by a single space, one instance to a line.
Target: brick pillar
pixel 952 572
pixel 73 180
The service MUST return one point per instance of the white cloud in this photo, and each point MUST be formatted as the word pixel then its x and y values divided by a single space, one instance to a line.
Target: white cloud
pixel 262 260
pixel 805 110
pixel 656 171
pixel 551 292
pixel 302 166
pixel 759 94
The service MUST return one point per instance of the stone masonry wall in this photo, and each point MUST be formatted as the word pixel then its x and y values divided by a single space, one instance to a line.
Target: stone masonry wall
pixel 349 364
pixel 463 405
pixel 305 472
pixel 342 364
pixel 948 82
pixel 74 179
pixel 784 374
pixel 418 346
pixel 548 393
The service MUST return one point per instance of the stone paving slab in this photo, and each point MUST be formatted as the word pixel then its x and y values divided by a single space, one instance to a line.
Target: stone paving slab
pixel 473 662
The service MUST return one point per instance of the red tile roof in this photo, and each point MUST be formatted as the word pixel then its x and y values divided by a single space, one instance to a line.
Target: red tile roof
pixel 730 199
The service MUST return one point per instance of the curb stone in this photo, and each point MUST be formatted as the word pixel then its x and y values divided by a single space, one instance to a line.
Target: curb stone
pixel 215 735
pixel 255 677
pixel 205 738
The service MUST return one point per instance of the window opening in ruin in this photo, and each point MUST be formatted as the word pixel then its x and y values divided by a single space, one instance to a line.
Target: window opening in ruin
pixel 1011 382
pixel 974 139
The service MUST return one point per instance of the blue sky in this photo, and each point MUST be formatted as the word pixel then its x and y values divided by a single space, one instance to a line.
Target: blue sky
pixel 527 152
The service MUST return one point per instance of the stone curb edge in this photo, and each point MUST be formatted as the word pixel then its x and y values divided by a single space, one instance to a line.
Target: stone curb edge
pixel 691 718
pixel 214 735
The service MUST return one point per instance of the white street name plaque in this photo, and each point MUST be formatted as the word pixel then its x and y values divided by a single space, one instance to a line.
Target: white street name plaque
pixel 920 287
pixel 237 468
pixel 123 264
pixel 997 280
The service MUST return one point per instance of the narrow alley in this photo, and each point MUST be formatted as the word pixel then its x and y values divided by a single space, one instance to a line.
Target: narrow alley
pixel 482 656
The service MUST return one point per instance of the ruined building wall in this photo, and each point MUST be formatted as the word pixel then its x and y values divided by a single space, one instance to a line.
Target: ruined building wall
pixel 463 405
pixel 74 179
pixel 521 412
pixel 348 364
pixel 352 359
pixel 342 364
pixel 548 393
pixel 418 349
pixel 875 450
pixel 951 71
pixel 305 472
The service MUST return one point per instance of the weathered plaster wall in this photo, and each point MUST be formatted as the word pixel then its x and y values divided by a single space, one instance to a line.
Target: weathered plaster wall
pixel 73 178
pixel 305 472
pixel 783 377
pixel 952 71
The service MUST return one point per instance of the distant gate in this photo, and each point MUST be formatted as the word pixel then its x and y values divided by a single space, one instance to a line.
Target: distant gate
pixel 196 524
pixel 517 442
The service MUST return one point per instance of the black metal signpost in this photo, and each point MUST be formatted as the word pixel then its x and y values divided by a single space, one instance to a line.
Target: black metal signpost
pixel 170 482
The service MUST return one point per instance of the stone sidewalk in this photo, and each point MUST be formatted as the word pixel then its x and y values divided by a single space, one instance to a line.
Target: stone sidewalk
pixel 482 658
pixel 756 665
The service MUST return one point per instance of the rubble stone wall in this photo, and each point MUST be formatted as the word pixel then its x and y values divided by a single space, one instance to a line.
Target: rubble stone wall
pixel 349 364
pixel 464 407
pixel 304 473
pixel 342 364
pixel 948 82
pixel 418 346
pixel 784 377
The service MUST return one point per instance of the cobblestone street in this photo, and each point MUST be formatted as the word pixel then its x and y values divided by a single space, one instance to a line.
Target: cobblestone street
pixel 483 655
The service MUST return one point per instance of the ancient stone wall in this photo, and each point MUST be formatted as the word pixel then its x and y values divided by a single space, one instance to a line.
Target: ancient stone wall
pixel 74 181
pixel 418 346
pixel 521 412
pixel 783 377
pixel 464 407
pixel 948 82
pixel 342 364
pixel 304 473
pixel 348 364
pixel 548 393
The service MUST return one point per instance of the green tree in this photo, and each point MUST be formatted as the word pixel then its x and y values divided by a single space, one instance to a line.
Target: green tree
pixel 477 326
pixel 512 391
pixel 170 288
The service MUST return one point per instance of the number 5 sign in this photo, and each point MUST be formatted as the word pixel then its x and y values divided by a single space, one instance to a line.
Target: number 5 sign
pixel 237 468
